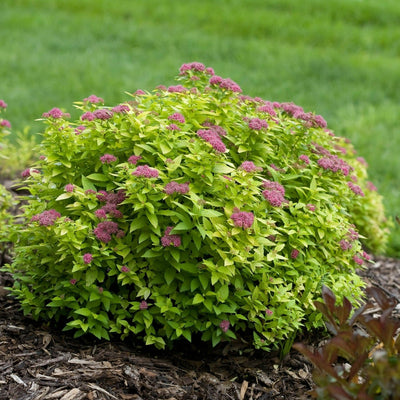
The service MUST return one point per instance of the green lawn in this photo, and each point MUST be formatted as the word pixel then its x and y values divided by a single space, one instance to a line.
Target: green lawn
pixel 339 58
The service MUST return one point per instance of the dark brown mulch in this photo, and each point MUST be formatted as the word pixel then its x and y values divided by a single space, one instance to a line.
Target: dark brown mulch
pixel 38 362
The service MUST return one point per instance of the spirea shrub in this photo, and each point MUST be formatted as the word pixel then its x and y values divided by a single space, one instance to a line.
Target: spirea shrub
pixel 192 211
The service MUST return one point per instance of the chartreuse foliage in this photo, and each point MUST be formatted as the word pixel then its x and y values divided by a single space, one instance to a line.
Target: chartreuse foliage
pixel 362 359
pixel 192 211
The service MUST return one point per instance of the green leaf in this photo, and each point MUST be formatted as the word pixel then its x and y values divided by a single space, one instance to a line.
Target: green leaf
pixel 153 219
pixel 150 253
pixel 169 275
pixel 91 276
pixel 209 213
pixel 198 298
pixel 98 177
pixel 204 280
pixel 87 184
pixel 84 311
pixel 64 196
pixel 223 293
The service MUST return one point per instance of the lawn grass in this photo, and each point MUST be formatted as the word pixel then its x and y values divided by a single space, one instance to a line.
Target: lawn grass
pixel 339 58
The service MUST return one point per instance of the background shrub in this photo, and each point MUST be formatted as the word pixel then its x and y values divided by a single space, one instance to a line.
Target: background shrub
pixel 192 210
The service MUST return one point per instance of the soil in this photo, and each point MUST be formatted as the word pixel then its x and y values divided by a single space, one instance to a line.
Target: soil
pixel 39 362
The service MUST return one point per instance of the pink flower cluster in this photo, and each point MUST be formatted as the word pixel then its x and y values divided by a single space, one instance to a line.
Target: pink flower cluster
pixel 112 201
pixel 29 171
pixel 294 254
pixel 311 207
pixel 298 112
pixel 55 113
pixel 173 127
pixel 87 258
pixel 93 99
pixel 3 104
pixel 195 66
pixel 345 245
pixel 79 129
pixel 143 305
pixel 175 187
pixel 257 124
pixel 134 159
pixel 224 325
pixel 268 108
pixel 69 188
pixel 108 159
pixel 176 89
pixel 104 230
pixel 355 189
pixel 249 166
pixel 121 109
pixel 213 137
pixel 6 123
pixel 371 186
pixel 145 171
pixel 304 158
pixel 227 83
pixel 274 193
pixel 242 219
pixel 124 268
pixel 170 240
pixel 335 164
pixel 46 218
pixel 177 117
pixel 97 114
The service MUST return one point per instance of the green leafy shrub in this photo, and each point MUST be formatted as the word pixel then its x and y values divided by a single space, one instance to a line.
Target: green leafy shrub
pixel 362 359
pixel 190 211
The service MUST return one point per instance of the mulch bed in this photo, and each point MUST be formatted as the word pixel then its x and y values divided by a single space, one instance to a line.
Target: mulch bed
pixel 39 362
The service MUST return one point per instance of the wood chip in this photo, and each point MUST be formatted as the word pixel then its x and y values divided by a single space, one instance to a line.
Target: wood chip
pixel 74 394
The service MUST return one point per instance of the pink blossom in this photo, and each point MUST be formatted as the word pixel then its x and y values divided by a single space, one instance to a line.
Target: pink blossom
pixel 249 166
pixel 55 113
pixel 79 129
pixel 215 80
pixel 139 92
pixel 243 219
pixel 104 230
pixel 143 305
pixel 170 240
pixel 294 254
pixel 257 124
pixel 100 289
pixel 29 171
pixel 73 281
pixel 352 234
pixel 90 191
pixel 211 136
pixel 267 108
pixel 335 164
pixel 121 109
pixel 210 71
pixel 224 325
pixel 177 117
pixel 345 245
pixel 366 256
pixel 176 89
pixel 88 116
pixel 42 157
pixel 271 185
pixel 69 188
pixel 311 207
pixel 173 127
pixel 94 99
pixel 103 114
pixel 219 130
pixel 100 213
pixel 371 186
pixel 134 159
pixel 196 66
pixel 274 197
pixel 355 189
pixel 341 149
pixel 362 161
pixel 5 123
pixel 146 171
pixel 124 268
pixel 358 260
pixel 87 258
pixel 304 158
pixel 174 187
pixel 228 83
pixel 268 312
pixel 47 218
pixel 108 158
pixel 3 104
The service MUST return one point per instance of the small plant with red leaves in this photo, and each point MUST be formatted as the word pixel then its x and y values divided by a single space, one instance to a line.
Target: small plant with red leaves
pixel 362 359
